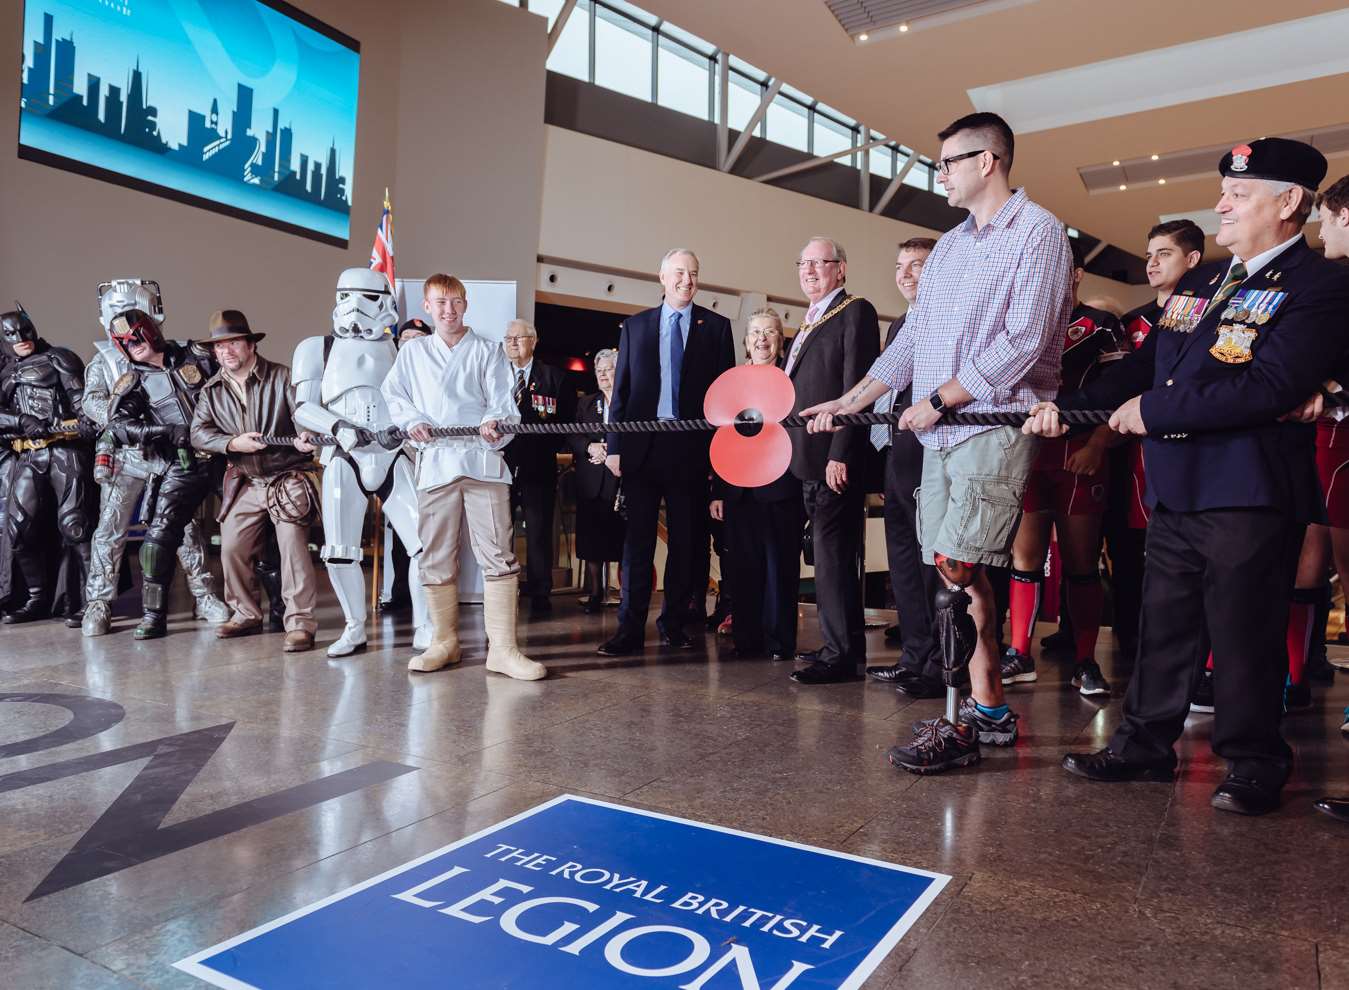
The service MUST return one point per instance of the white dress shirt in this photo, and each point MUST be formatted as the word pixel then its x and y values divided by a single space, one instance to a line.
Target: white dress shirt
pixel 1264 257
pixel 465 385
pixel 813 313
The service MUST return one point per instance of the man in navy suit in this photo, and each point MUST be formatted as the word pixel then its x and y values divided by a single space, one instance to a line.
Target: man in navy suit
pixel 667 358
pixel 1231 475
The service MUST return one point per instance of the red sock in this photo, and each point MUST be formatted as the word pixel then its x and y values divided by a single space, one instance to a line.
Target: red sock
pixel 1025 592
pixel 1301 623
pixel 1208 664
pixel 1085 597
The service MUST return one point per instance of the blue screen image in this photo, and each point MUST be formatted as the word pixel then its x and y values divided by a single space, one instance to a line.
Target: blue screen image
pixel 241 106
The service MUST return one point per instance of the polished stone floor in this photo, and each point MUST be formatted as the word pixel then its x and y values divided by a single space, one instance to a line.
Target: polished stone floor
pixel 297 776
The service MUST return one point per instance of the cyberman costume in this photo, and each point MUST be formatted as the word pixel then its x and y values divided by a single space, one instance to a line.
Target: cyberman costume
pixel 40 394
pixel 152 408
pixel 337 380
pixel 125 472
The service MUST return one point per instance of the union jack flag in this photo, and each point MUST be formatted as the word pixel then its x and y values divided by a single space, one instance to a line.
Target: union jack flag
pixel 381 255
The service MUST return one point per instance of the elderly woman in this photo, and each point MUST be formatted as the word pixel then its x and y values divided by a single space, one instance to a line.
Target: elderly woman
pixel 599 529
pixel 763 533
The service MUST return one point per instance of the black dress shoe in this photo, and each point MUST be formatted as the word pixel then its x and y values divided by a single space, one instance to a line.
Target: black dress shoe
pixel 892 634
pixel 675 639
pixel 1105 765
pixel 779 657
pixel 592 605
pixel 892 674
pixel 621 645
pixel 1336 808
pixel 825 673
pixel 920 687
pixel 30 611
pixel 808 656
pixel 1245 796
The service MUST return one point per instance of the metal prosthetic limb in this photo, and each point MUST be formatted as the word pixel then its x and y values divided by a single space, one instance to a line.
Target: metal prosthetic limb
pixel 955 630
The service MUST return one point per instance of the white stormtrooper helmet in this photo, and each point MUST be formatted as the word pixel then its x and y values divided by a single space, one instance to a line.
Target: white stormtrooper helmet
pixel 121 294
pixel 366 306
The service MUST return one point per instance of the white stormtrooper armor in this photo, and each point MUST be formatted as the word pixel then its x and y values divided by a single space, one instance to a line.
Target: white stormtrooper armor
pixel 337 382
pixel 132 469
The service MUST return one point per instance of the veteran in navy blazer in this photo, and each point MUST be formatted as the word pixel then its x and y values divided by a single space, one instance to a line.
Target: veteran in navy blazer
pixel 1232 482
pixel 668 357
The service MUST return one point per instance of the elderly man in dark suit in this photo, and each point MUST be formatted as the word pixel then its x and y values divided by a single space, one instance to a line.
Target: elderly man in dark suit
pixel 542 395
pixel 1231 475
pixel 668 356
pixel 836 344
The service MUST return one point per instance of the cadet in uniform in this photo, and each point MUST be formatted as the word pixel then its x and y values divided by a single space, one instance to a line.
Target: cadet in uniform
pixel 1232 486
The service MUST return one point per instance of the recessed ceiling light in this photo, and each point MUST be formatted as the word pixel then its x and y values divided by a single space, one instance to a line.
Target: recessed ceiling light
pixel 1155 157
pixel 863 36
pixel 1161 182
pixel 903 28
pixel 1115 162
pixel 1122 187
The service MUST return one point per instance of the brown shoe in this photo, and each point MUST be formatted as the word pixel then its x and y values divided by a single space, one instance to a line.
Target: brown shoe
pixel 233 628
pixel 297 641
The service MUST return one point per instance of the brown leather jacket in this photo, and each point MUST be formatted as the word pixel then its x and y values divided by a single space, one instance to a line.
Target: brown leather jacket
pixel 220 417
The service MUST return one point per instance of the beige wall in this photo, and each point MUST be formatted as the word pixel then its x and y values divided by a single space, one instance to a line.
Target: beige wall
pixel 63 233
pixel 621 208
pixel 470 141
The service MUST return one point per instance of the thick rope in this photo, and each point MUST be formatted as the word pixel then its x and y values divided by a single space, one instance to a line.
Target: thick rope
pixel 1071 417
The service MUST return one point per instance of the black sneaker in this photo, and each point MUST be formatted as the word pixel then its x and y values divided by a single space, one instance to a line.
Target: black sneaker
pixel 1017 667
pixel 1089 680
pixel 993 731
pixel 937 747
pixel 1202 702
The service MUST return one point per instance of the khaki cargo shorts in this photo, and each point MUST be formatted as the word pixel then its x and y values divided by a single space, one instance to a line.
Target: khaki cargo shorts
pixel 970 498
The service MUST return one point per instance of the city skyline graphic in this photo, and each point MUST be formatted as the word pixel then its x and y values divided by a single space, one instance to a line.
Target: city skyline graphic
pixel 72 107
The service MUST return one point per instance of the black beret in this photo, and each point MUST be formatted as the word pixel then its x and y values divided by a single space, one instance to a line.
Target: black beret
pixel 415 324
pixel 1276 159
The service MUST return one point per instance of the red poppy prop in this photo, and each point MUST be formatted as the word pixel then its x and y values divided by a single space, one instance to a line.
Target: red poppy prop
pixel 751 447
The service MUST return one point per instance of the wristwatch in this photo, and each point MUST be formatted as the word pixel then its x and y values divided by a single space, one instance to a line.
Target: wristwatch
pixel 938 403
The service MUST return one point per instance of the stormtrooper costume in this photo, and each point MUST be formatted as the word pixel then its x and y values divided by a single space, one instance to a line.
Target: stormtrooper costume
pixel 125 471
pixel 337 390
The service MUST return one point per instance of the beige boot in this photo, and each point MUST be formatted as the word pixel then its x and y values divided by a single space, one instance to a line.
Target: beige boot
pixel 500 603
pixel 442 605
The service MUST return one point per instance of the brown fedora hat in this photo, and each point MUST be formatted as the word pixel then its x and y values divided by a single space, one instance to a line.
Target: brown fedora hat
pixel 230 324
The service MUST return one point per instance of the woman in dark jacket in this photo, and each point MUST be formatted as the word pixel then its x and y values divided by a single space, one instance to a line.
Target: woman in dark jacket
pixel 763 533
pixel 599 529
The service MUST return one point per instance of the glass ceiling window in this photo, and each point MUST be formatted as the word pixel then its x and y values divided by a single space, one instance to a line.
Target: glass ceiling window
pixel 618 45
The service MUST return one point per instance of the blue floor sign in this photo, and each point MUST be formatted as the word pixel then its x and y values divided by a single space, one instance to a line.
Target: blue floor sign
pixel 582 894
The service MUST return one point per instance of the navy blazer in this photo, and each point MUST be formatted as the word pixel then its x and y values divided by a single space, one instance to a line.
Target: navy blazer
pixel 708 351
pixel 1214 440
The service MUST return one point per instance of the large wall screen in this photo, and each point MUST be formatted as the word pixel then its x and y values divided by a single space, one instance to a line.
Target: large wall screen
pixel 245 107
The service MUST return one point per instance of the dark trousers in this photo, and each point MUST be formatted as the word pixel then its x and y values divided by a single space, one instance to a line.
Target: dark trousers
pixel 536 500
pixel 663 476
pixel 764 552
pixel 836 528
pixel 1229 571
pixel 913 583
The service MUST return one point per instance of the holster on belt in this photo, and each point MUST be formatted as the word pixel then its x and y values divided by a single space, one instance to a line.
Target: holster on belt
pixel 234 483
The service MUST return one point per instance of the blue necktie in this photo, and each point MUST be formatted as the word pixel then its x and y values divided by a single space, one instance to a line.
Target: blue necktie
pixel 676 361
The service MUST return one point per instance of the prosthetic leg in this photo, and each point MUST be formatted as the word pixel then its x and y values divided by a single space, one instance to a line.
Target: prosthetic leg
pixel 944 743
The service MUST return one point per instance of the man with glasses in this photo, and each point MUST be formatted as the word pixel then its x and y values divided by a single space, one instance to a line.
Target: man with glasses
pixel 542 396
pixel 838 340
pixel 985 334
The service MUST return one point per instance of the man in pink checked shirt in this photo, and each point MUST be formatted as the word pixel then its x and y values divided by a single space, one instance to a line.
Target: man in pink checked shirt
pixel 984 335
